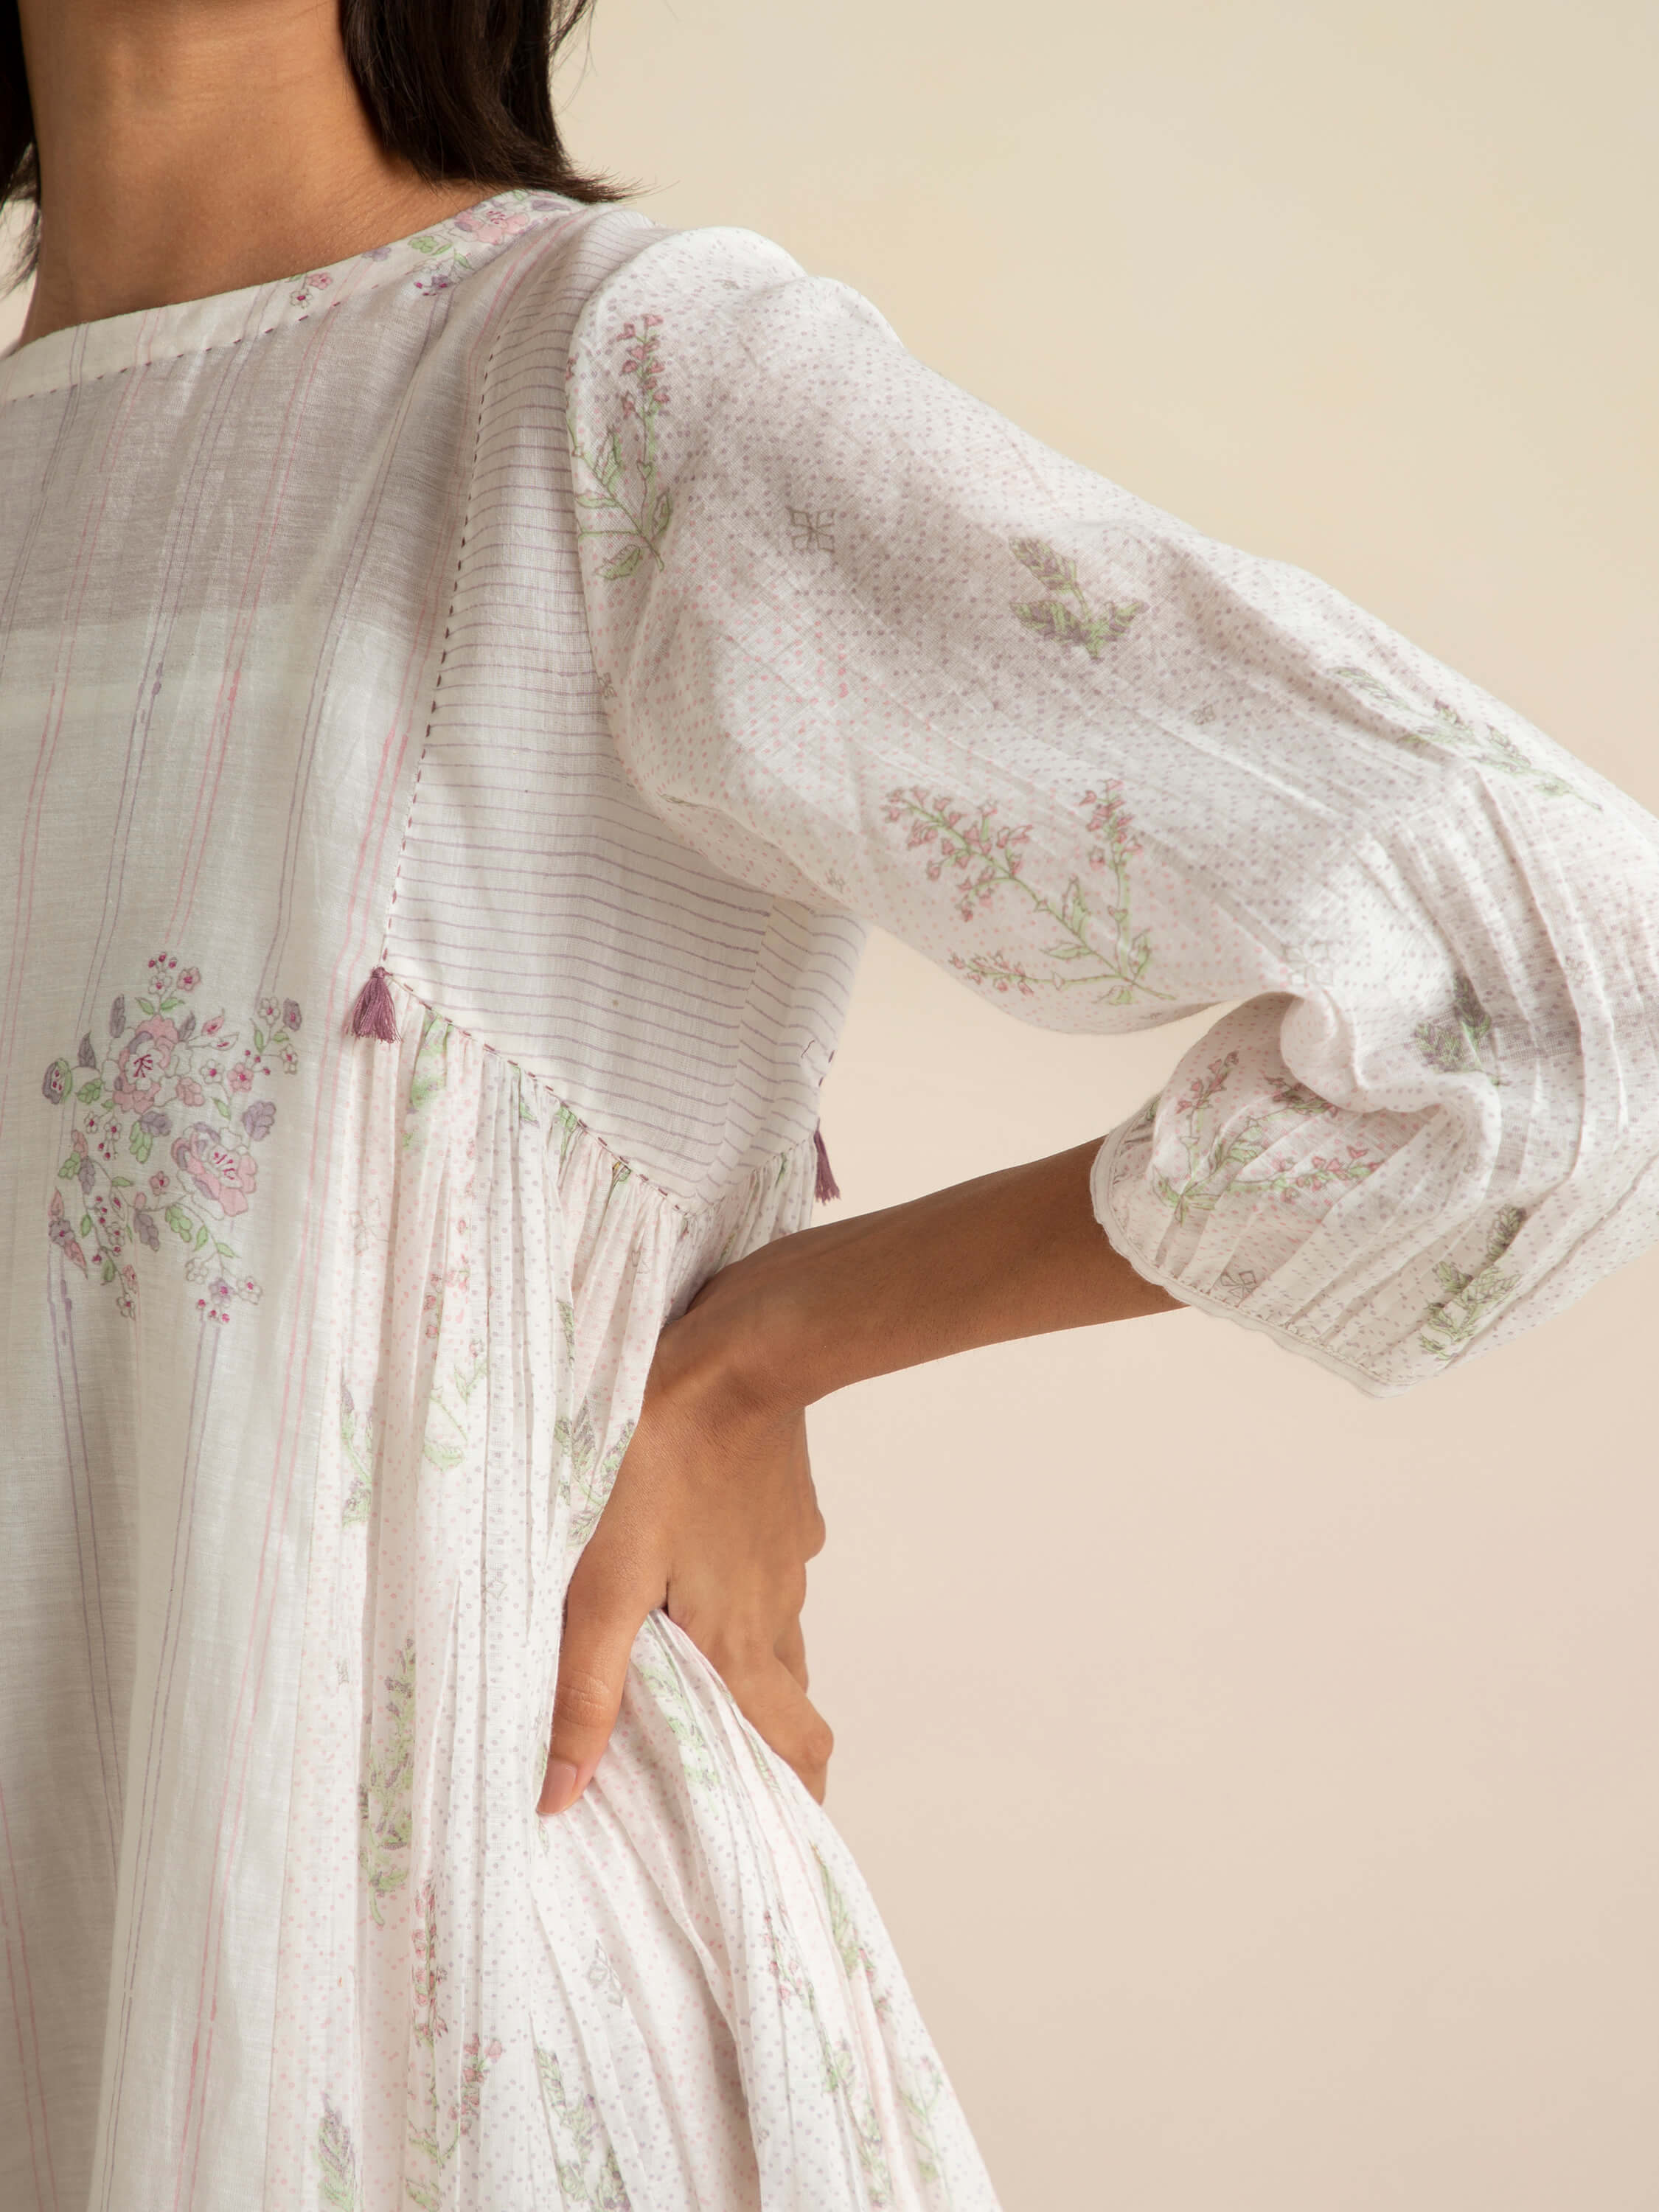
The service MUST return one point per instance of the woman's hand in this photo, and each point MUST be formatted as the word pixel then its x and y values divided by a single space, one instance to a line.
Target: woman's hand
pixel 713 1516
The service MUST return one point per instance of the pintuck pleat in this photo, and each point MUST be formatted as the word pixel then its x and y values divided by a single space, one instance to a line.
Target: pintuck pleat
pixel 676 1997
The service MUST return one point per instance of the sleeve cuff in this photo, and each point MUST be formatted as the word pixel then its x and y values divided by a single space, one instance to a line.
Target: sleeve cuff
pixel 1102 1179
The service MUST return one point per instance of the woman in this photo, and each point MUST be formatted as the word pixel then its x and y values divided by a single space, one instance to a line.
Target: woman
pixel 474 662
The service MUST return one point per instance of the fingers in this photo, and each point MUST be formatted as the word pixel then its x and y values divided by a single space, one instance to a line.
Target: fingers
pixel 603 1609
pixel 792 1650
pixel 772 1699
pixel 815 1531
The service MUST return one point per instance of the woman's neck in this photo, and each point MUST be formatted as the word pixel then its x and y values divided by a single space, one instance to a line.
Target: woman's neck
pixel 189 147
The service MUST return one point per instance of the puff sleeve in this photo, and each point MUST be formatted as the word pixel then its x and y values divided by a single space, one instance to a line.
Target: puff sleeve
pixel 867 644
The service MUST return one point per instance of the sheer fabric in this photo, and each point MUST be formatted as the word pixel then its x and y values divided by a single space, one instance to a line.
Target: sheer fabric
pixel 598 628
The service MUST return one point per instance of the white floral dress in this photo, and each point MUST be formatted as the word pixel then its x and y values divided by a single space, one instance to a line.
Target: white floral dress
pixel 583 631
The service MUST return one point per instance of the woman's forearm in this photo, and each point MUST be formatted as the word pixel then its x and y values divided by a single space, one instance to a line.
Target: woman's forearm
pixel 713 1516
pixel 1013 1253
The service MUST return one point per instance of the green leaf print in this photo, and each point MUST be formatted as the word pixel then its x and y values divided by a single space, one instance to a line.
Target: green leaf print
pixel 430 1073
pixel 1442 728
pixel 919 2104
pixel 360 1462
pixel 637 512
pixel 386 1816
pixel 697 1757
pixel 448 1434
pixel 842 2079
pixel 1461 1041
pixel 982 861
pixel 1066 616
pixel 466 1375
pixel 583 2163
pixel 570 1126
pixel 438 1452
pixel 336 2161
pixel 585 1477
pixel 1470 1300
pixel 919 2099
pixel 855 1955
pixel 437 2142
pixel 1213 1167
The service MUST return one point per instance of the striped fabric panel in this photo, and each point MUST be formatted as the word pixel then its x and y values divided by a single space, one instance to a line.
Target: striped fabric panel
pixel 686 1017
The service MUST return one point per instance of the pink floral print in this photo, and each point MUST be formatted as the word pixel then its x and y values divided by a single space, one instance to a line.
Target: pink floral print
pixel 127 1097
pixel 981 858
pixel 637 512
pixel 141 1066
pixel 494 223
pixel 1216 1166
pixel 223 1171
pixel 437 2141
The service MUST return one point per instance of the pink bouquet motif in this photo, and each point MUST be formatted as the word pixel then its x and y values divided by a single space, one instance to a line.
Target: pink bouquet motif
pixel 132 1095
pixel 142 1065
pixel 223 1171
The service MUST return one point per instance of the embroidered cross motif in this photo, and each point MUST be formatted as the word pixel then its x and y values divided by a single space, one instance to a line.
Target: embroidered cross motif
pixel 810 530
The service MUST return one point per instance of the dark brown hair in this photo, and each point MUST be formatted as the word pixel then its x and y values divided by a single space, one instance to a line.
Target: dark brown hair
pixel 460 89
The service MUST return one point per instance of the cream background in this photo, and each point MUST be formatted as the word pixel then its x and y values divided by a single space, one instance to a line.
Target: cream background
pixel 1333 1889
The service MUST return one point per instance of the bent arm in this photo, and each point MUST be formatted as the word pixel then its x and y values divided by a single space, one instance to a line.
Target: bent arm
pixel 713 1516
pixel 1014 1254
pixel 869 646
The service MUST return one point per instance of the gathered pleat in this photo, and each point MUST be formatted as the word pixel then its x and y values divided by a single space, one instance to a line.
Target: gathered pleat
pixel 677 1997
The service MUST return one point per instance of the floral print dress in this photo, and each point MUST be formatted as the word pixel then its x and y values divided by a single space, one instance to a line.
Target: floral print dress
pixel 593 629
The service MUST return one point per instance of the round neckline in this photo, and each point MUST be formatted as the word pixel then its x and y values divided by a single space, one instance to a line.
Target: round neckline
pixel 430 260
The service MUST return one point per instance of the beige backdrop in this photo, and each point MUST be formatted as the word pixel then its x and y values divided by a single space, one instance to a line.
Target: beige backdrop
pixel 1259 1779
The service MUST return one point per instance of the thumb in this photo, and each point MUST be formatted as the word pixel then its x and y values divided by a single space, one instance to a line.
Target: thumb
pixel 603 1610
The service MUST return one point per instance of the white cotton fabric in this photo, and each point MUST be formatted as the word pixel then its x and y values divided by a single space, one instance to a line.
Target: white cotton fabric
pixel 598 627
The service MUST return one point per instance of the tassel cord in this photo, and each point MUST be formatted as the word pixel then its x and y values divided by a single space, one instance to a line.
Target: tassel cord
pixel 372 1013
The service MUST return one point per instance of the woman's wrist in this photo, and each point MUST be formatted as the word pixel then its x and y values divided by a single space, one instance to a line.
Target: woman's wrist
pixel 1018 1253
pixel 728 1358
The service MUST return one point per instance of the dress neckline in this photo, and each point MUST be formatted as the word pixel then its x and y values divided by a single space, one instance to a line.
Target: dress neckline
pixel 428 260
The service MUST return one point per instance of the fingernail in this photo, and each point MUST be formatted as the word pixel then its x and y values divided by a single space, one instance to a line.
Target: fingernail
pixel 559 1788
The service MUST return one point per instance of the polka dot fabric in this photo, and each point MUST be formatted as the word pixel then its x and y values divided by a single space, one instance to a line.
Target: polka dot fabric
pixel 679 1995
pixel 864 641
pixel 593 629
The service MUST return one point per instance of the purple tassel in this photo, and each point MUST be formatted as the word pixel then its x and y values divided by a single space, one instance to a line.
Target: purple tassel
pixel 372 1015
pixel 826 1187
